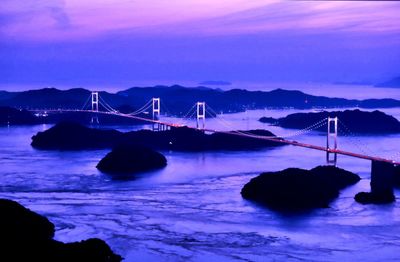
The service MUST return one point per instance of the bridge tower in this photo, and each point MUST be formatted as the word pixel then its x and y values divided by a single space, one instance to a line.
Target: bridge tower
pixel 201 115
pixel 331 141
pixel 156 113
pixel 95 107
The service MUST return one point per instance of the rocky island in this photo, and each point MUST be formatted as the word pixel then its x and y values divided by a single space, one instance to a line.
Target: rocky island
pixel 355 121
pixel 73 136
pixel 126 160
pixel 28 236
pixel 296 189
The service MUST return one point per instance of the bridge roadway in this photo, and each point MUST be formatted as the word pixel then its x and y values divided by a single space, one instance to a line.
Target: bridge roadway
pixel 273 139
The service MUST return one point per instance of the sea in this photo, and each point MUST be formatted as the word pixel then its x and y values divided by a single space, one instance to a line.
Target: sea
pixel 192 210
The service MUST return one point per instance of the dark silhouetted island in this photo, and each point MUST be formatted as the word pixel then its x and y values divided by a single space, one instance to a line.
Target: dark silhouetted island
pixel 28 236
pixel 12 116
pixel 393 83
pixel 73 136
pixel 295 189
pixel 269 120
pixel 354 121
pixel 374 198
pixel 131 159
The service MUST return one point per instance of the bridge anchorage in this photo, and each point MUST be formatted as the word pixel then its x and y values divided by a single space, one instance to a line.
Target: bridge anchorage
pixel 331 141
pixel 201 115
pixel 95 108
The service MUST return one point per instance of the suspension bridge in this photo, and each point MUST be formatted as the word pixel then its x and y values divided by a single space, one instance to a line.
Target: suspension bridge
pixel 199 111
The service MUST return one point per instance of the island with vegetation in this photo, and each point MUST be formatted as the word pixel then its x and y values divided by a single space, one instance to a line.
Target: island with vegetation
pixel 129 159
pixel 350 121
pixel 296 189
pixel 74 136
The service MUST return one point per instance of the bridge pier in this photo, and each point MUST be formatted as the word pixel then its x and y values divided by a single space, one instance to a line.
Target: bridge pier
pixel 157 127
pixel 156 113
pixel 95 108
pixel 331 157
pixel 201 115
pixel 382 179
pixel 160 127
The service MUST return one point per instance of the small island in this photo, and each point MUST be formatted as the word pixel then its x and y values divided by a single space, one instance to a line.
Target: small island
pixel 126 160
pixel 28 236
pixel 350 121
pixel 373 198
pixel 296 189
pixel 73 136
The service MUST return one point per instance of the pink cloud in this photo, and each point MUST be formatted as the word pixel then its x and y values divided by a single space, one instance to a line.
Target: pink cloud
pixel 76 19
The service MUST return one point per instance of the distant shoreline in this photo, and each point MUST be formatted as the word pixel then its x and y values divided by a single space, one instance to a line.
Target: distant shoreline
pixel 344 90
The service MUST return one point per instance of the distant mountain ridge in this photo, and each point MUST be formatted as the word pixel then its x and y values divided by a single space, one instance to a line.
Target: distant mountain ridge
pixel 177 100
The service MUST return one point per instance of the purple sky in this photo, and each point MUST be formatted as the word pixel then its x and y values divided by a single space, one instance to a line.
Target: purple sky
pixel 124 42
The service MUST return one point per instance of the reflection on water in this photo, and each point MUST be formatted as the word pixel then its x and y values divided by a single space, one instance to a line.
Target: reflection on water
pixel 192 209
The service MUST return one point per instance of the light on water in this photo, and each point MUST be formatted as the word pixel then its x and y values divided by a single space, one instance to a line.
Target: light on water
pixel 192 209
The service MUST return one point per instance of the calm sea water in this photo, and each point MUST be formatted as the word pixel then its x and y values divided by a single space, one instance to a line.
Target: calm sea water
pixel 192 210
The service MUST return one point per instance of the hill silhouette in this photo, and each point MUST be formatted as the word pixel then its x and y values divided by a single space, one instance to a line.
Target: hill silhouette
pixel 177 100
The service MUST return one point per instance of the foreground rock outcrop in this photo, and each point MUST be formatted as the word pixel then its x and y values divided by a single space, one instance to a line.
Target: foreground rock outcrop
pixel 296 189
pixel 355 121
pixel 28 236
pixel 131 159
pixel 72 136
